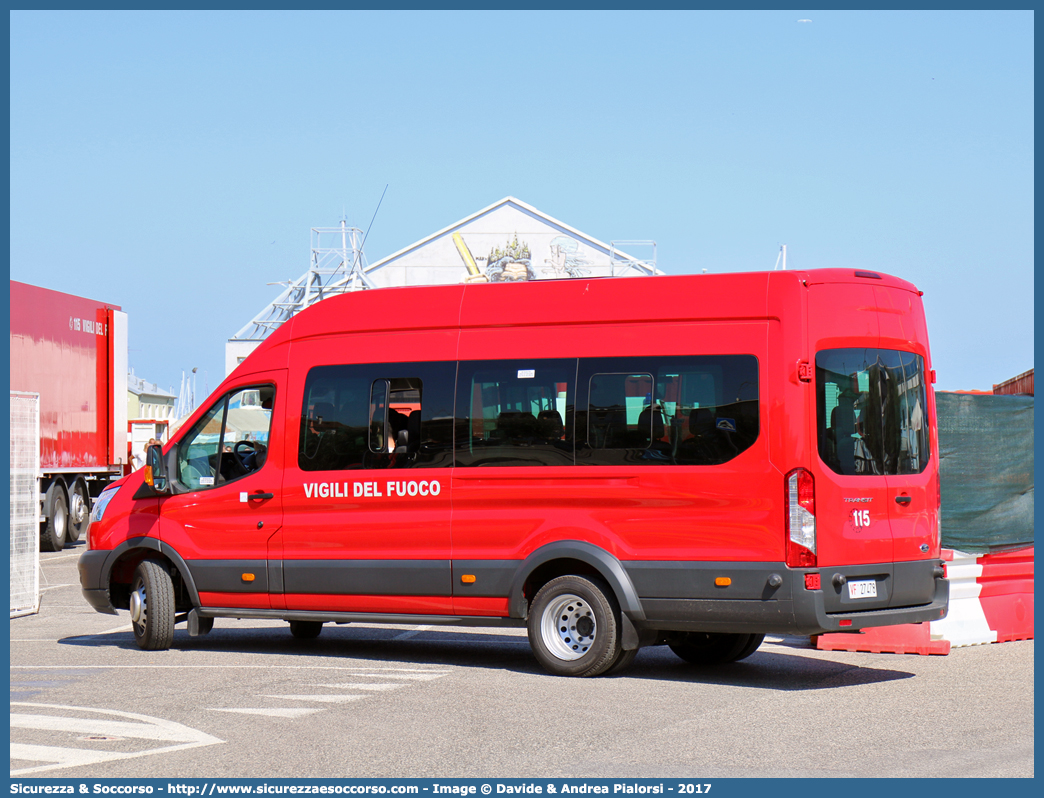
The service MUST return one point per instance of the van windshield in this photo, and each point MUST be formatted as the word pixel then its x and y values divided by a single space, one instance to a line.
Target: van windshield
pixel 871 411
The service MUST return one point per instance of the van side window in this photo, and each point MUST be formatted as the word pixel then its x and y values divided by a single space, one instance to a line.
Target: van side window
pixel 667 410
pixel 391 415
pixel 871 407
pixel 229 441
pixel 619 412
pixel 515 412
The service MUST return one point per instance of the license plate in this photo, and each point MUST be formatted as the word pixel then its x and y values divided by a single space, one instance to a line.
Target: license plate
pixel 864 588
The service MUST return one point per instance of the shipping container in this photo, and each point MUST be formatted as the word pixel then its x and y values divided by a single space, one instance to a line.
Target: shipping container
pixel 1022 385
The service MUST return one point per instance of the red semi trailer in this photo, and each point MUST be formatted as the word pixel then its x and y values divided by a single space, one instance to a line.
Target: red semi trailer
pixel 71 351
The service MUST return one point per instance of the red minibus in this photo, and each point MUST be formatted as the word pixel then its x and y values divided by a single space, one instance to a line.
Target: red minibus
pixel 693 461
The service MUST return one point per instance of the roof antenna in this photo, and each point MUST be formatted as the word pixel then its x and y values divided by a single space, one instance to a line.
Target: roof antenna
pixel 374 215
pixel 360 250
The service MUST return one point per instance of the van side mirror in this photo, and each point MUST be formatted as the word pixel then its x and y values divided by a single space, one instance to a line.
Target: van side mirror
pixel 156 470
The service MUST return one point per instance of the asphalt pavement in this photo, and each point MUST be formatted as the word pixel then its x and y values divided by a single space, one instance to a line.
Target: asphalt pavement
pixel 363 700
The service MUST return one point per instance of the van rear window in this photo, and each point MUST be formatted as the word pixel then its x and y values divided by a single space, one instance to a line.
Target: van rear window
pixel 871 410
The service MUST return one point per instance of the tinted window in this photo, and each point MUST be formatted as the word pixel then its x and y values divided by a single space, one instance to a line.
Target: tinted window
pixel 395 415
pixel 229 441
pixel 700 410
pixel 515 412
pixel 871 410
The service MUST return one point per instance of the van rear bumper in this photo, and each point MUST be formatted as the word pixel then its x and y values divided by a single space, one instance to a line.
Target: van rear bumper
pixel 790 608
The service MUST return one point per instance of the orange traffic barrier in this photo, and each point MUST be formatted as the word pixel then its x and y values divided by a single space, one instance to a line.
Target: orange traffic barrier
pixel 908 638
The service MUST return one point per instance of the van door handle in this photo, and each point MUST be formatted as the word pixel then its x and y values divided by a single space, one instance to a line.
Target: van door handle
pixel 262 495
pixel 903 500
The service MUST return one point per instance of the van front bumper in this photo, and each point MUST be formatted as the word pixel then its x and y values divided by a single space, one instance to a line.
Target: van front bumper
pixel 91 566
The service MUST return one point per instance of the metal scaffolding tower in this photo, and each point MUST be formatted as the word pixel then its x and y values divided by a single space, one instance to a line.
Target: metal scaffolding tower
pixel 338 266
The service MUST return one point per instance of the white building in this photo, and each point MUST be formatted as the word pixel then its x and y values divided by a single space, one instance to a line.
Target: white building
pixel 146 400
pixel 509 241
pixel 150 412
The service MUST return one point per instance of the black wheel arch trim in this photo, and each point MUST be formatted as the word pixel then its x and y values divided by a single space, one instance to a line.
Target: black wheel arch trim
pixel 153 545
pixel 608 567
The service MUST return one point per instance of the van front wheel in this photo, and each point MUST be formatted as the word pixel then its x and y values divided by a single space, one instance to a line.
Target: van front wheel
pixel 152 606
pixel 708 648
pixel 573 627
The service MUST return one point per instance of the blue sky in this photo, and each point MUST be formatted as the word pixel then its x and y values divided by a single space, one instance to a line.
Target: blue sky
pixel 174 162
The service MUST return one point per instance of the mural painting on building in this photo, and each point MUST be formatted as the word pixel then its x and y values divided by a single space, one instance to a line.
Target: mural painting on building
pixel 565 260
pixel 474 275
pixel 513 262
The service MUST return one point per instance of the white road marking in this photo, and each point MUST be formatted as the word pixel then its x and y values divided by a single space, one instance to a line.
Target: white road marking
pixel 60 757
pixel 110 728
pixel 324 699
pixel 125 628
pixel 362 686
pixel 389 672
pixel 411 633
pixel 145 727
pixel 55 587
pixel 420 677
pixel 284 712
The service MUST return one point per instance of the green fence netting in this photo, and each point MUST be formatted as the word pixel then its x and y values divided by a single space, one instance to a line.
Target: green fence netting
pixel 986 471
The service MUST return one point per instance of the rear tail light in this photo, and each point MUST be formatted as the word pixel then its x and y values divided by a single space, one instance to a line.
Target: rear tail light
pixel 801 519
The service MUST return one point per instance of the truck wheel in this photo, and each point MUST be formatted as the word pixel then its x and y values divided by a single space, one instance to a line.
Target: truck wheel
pixel 79 512
pixel 306 630
pixel 56 528
pixel 707 648
pixel 573 629
pixel 152 606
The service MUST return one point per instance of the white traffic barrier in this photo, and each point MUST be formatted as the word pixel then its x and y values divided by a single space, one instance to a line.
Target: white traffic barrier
pixel 965 624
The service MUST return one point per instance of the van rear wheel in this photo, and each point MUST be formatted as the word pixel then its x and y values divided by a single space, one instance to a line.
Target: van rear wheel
pixel 714 648
pixel 750 648
pixel 152 606
pixel 573 627
pixel 306 630
pixel 622 662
